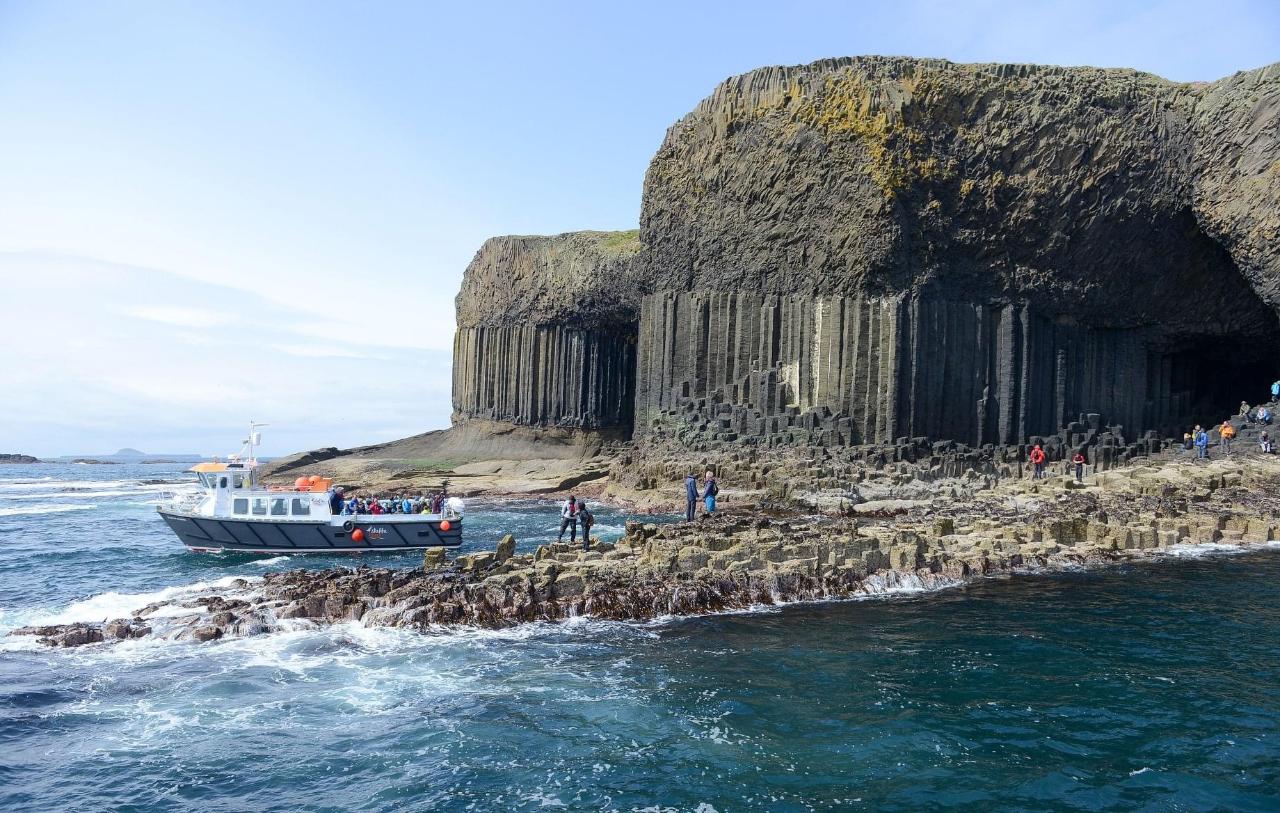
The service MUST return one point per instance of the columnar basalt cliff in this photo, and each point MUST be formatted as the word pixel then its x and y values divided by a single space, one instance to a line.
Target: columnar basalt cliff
pixel 976 252
pixel 877 248
pixel 546 332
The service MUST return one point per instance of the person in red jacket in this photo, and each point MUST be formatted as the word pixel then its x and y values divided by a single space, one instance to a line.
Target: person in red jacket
pixel 1037 459
pixel 1078 459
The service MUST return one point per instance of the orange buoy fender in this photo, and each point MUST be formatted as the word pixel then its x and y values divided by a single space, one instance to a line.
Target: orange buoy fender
pixel 445 525
pixel 357 535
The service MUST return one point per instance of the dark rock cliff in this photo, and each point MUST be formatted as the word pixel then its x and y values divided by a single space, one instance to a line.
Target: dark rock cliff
pixel 546 332
pixel 868 248
pixel 913 247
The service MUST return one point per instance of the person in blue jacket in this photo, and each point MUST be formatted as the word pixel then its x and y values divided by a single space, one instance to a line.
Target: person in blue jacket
pixel 690 496
pixel 1202 443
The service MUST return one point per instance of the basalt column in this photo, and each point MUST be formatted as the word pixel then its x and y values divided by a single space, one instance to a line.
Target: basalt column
pixel 547 376
pixel 546 333
pixel 853 370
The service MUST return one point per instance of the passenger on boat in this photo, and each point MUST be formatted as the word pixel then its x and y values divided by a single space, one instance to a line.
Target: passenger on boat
pixel 335 501
pixel 375 506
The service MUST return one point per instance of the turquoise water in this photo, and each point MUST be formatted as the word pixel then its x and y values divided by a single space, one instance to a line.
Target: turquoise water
pixel 1145 687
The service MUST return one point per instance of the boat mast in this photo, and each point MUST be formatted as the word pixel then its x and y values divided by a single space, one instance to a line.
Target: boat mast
pixel 255 439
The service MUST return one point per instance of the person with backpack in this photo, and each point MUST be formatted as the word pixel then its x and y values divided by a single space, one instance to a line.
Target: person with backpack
pixel 1079 461
pixel 1202 443
pixel 586 519
pixel 1037 460
pixel 1275 390
pixel 709 491
pixel 569 519
pixel 690 497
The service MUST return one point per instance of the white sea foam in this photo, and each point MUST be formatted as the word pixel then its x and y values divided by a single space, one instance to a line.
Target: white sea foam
pixel 43 509
pixel 1197 550
pixel 274 560
pixel 27 485
pixel 111 605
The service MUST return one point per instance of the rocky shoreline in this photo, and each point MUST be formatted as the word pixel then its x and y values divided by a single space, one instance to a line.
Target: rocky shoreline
pixel 736 561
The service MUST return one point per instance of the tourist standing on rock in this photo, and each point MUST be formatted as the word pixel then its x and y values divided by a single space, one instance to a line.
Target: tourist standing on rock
pixel 709 491
pixel 1275 390
pixel 569 519
pixel 1037 460
pixel 690 497
pixel 1078 459
pixel 1264 442
pixel 1228 433
pixel 1202 444
pixel 586 519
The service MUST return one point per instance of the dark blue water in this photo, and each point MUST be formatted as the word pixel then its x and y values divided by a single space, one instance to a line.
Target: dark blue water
pixel 1148 687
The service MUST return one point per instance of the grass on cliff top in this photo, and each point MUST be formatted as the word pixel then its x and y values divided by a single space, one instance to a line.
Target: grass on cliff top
pixel 621 241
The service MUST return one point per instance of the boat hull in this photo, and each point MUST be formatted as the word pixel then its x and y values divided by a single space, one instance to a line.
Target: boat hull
pixel 211 534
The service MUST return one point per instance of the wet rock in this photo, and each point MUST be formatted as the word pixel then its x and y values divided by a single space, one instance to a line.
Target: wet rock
pixel 506 548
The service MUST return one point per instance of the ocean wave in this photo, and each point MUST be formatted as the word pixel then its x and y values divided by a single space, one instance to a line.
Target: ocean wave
pixel 111 605
pixel 274 560
pixel 25 510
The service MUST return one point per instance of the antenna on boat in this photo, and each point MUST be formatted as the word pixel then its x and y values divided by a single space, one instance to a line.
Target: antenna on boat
pixel 255 439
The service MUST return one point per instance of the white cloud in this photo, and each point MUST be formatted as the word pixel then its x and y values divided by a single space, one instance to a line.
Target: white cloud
pixel 162 375
pixel 181 316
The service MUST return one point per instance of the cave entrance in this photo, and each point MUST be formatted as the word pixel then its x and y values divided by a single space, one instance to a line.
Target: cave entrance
pixel 1209 376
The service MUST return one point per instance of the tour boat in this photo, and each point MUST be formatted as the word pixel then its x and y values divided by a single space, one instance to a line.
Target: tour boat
pixel 233 512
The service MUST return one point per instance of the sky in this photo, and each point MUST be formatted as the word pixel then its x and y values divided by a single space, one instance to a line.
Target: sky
pixel 218 211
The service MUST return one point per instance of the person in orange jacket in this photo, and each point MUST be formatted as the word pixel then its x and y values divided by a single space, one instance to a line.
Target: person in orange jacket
pixel 1037 459
pixel 1078 459
pixel 1228 433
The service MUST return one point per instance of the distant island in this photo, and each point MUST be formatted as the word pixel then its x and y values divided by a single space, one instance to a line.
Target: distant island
pixel 18 458
pixel 128 455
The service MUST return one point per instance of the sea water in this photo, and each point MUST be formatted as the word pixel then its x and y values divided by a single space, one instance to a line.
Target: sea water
pixel 1150 686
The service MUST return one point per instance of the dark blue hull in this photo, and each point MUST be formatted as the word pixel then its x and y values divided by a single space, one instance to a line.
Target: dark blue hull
pixel 275 537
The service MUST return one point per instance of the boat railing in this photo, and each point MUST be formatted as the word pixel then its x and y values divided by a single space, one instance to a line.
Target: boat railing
pixel 187 502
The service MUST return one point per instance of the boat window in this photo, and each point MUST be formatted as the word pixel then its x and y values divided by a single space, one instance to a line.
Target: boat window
pixel 260 506
pixel 237 481
pixel 301 507
pixel 279 507
pixel 222 482
pixel 240 505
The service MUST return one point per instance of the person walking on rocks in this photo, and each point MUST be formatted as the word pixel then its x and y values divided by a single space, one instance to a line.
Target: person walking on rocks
pixel 1228 433
pixel 1275 390
pixel 1078 460
pixel 1202 444
pixel 1037 460
pixel 586 519
pixel 569 519
pixel 690 497
pixel 1264 442
pixel 709 491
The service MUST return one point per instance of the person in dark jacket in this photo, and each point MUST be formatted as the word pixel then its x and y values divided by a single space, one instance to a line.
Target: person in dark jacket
pixel 690 497
pixel 1079 461
pixel 586 519
pixel 709 491
pixel 335 501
